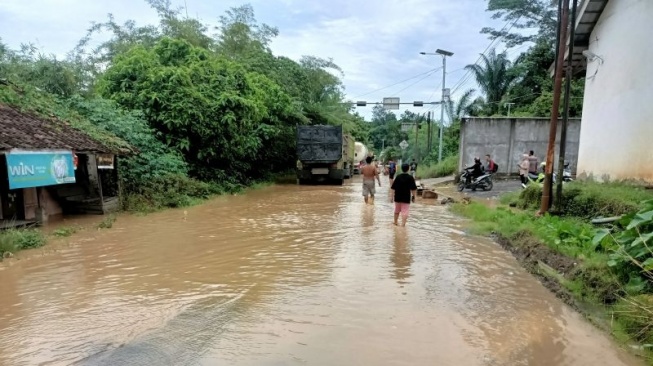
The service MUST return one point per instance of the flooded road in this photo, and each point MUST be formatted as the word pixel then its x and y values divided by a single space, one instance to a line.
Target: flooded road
pixel 288 275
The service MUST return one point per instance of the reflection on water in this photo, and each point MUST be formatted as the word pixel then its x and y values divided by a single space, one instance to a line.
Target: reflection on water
pixel 288 275
pixel 401 257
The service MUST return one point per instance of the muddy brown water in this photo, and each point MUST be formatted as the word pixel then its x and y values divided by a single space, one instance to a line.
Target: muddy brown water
pixel 288 275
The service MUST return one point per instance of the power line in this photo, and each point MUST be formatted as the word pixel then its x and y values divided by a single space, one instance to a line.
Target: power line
pixel 417 82
pixel 468 74
pixel 397 83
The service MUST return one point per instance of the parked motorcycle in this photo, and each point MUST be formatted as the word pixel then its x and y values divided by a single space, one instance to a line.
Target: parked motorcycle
pixel 483 182
pixel 539 178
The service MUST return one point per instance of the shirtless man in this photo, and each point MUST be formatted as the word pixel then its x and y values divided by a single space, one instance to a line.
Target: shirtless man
pixel 369 172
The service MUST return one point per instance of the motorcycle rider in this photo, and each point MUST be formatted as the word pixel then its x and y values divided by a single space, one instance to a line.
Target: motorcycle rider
pixel 477 170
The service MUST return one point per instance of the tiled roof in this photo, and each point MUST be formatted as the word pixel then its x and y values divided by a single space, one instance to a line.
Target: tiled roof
pixel 22 130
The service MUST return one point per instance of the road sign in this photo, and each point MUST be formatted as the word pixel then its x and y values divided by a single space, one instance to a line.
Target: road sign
pixel 405 127
pixel 391 103
pixel 403 145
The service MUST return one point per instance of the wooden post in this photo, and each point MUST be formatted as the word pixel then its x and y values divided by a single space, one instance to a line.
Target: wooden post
pixel 557 88
pixel 99 185
pixel 565 116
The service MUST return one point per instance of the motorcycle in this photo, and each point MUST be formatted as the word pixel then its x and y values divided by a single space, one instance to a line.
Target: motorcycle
pixel 539 178
pixel 483 182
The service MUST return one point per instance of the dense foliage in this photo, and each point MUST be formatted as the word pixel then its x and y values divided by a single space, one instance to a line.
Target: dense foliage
pixel 523 81
pixel 195 104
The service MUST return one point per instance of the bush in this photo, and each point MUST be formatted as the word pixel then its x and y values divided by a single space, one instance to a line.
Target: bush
pixel 590 200
pixel 107 222
pixel 13 240
pixel 447 166
pixel 173 191
pixel 64 231
pixel 154 159
pixel 635 315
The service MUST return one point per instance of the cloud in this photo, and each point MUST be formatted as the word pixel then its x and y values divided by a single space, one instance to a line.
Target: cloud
pixel 379 45
pixel 376 44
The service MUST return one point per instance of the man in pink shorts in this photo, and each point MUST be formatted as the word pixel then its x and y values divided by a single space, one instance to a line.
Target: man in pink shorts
pixel 404 189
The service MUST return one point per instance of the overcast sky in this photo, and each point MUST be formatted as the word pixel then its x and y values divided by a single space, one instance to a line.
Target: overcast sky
pixel 377 44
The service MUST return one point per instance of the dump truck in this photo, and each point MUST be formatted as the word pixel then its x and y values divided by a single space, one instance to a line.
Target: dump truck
pixel 324 154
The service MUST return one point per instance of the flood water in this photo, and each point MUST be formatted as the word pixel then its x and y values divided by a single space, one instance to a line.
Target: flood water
pixel 288 275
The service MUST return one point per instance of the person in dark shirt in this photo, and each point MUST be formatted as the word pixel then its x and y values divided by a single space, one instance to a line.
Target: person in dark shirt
pixel 392 170
pixel 477 170
pixel 404 190
pixel 413 168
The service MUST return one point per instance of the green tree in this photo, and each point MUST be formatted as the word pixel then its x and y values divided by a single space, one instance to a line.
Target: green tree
pixel 240 35
pixel 537 17
pixel 494 77
pixel 531 69
pixel 153 160
pixel 46 72
pixel 205 106
pixel 466 106
pixel 541 106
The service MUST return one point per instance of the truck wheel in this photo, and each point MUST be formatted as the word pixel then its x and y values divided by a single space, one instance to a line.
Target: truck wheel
pixel 340 182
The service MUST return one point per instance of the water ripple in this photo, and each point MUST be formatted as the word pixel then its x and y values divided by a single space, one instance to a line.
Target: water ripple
pixel 283 275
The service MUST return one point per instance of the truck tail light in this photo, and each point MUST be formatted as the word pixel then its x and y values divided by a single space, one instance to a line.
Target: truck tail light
pixel 333 166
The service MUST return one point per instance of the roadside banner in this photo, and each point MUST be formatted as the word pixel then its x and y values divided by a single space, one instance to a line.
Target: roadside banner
pixel 27 169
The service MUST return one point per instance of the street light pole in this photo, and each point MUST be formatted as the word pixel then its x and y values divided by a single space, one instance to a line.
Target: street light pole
pixel 444 75
pixel 444 55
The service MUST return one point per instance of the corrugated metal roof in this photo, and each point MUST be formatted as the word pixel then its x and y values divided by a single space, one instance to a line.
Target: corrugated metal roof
pixel 588 14
pixel 21 130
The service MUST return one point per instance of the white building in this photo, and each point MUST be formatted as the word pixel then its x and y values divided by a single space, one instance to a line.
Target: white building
pixel 614 42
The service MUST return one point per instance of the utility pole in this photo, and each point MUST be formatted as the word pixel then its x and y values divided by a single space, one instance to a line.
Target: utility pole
pixel 563 23
pixel 565 116
pixel 416 141
pixel 429 133
pixel 444 76
pixel 444 55
pixel 509 105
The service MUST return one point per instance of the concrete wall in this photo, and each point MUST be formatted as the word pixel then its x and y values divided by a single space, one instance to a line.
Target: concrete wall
pixel 506 139
pixel 617 132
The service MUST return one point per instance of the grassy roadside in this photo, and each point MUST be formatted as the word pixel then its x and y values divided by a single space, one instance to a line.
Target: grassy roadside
pixel 604 272
pixel 177 191
pixel 444 168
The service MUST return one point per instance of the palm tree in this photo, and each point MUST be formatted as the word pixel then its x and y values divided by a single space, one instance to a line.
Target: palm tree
pixel 493 77
pixel 466 106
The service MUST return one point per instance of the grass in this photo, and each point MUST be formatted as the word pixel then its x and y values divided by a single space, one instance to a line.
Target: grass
pixel 64 231
pixel 107 222
pixel 176 191
pixel 589 199
pixel 447 166
pixel 13 240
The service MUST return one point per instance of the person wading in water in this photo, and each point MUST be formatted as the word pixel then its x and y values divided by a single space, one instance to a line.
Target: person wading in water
pixel 370 172
pixel 392 170
pixel 404 189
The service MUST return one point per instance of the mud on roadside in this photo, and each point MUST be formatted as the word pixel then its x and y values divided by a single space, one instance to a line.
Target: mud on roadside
pixel 529 251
